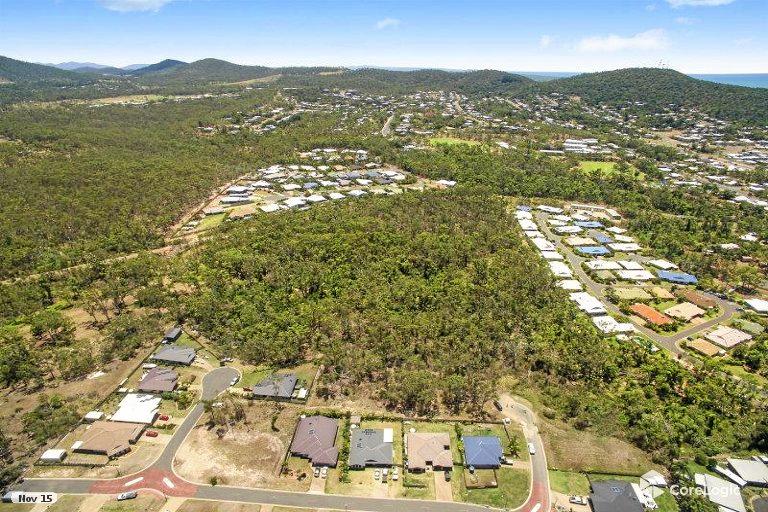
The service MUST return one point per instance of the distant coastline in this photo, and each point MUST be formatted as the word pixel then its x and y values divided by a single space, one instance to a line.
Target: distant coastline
pixel 747 80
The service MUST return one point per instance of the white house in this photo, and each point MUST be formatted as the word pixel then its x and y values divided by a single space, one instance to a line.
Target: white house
pixel 137 408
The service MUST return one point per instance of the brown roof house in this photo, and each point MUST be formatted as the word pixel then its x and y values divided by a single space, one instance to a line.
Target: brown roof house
pixel 650 314
pixel 427 449
pixel 158 380
pixel 697 298
pixel 109 438
pixel 315 439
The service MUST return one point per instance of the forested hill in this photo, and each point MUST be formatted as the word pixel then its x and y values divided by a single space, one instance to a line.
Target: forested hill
pixel 12 70
pixel 164 65
pixel 483 81
pixel 657 88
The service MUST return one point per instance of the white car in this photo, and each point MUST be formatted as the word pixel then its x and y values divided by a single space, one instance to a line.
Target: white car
pixel 127 495
pixel 323 472
pixel 376 474
pixel 577 500
pixel 531 449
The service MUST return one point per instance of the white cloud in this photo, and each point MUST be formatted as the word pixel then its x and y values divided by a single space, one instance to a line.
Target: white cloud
pixel 387 23
pixel 654 39
pixel 650 7
pixel 545 41
pixel 698 3
pixel 682 20
pixel 133 5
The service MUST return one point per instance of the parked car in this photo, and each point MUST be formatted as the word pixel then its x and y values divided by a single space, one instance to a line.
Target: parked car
pixel 376 474
pixel 497 405
pixel 316 472
pixel 164 417
pixel 448 475
pixel 577 500
pixel 234 381
pixel 395 473
pixel 531 449
pixel 323 472
pixel 151 433
pixel 127 495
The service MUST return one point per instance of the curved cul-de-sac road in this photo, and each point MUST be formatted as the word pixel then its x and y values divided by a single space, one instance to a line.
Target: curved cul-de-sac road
pixel 160 477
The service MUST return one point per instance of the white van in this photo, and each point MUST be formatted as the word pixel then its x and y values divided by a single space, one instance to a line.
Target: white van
pixel 531 449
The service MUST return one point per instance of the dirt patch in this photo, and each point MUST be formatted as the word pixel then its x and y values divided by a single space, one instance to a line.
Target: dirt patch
pixel 250 454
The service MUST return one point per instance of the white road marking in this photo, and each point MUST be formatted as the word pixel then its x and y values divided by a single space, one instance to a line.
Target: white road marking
pixel 134 481
pixel 168 483
pixel 536 508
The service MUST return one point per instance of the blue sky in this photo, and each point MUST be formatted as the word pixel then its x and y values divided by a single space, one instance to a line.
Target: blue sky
pixel 693 36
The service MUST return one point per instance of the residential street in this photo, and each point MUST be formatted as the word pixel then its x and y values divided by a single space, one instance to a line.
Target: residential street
pixel 161 478
pixel 668 342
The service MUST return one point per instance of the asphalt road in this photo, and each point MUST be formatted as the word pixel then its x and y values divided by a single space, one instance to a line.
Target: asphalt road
pixel 214 383
pixel 518 412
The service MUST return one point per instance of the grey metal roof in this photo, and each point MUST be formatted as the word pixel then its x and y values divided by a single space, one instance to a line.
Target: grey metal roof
pixel 276 386
pixel 159 379
pixel 175 354
pixel 315 439
pixel 173 333
pixel 614 496
pixel 368 448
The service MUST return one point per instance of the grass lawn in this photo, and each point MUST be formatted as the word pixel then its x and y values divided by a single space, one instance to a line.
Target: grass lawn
pixel 140 504
pixel 66 503
pixel 570 483
pixel 185 340
pixel 740 372
pixel 211 221
pixel 591 165
pixel 511 492
pixel 667 503
pixel 254 375
pixel 605 168
pixel 215 506
pixel 426 490
pixel 450 141
pixel 16 507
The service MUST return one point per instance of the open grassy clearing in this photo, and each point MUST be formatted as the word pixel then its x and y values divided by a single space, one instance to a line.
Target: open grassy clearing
pixel 511 492
pixel 606 169
pixel 451 141
pixel 211 221
pixel 572 450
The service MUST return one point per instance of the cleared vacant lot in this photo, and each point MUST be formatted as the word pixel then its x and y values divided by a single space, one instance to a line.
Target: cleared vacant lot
pixel 573 450
pixel 249 454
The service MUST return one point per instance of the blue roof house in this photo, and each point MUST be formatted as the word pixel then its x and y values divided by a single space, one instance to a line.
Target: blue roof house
pixel 602 238
pixel 677 277
pixel 482 452
pixel 589 224
pixel 593 250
